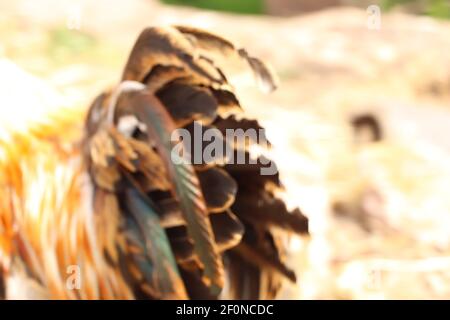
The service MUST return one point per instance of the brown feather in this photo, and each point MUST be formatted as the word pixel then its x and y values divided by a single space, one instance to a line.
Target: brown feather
pixel 168 47
pixel 187 103
pixel 219 189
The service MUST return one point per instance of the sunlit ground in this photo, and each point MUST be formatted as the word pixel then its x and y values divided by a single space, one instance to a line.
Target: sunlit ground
pixel 379 212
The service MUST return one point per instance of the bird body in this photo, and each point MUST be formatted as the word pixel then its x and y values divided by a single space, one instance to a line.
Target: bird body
pixel 98 206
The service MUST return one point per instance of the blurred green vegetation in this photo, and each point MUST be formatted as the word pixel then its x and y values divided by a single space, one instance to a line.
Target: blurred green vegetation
pixel 64 42
pixel 237 6
pixel 65 45
pixel 434 8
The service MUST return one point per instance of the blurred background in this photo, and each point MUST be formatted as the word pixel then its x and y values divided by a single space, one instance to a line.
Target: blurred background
pixel 361 122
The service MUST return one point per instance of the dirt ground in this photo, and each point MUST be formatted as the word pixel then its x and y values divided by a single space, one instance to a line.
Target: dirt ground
pixel 379 212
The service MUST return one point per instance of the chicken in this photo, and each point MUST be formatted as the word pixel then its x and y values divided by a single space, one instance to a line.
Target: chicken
pixel 111 211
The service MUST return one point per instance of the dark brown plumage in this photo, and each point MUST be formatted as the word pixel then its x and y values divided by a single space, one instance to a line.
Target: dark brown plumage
pixel 176 65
